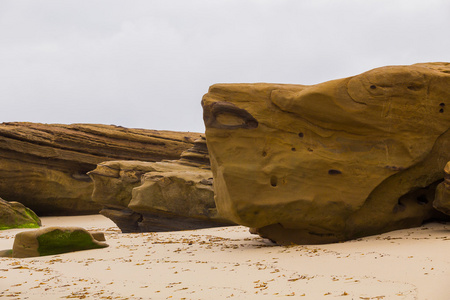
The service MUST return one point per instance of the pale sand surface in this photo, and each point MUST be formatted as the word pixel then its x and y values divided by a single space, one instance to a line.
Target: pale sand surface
pixel 230 263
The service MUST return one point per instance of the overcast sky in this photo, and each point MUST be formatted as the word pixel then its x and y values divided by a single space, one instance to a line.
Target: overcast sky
pixel 147 64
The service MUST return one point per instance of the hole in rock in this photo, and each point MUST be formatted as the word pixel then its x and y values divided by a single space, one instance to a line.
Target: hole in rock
pixel 252 123
pixel 273 181
pixel 81 177
pixel 442 104
pixel 373 87
pixel 399 207
pixel 334 172
pixel 422 200
pixel 441 110
pixel 264 153
pixel 300 134
pixel 293 149
pixel 230 119
pixel 224 115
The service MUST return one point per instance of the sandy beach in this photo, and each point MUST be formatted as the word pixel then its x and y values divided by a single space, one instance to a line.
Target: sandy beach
pixel 231 263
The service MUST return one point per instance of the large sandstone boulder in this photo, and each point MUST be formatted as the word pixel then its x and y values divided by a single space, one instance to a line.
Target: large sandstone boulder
pixel 158 196
pixel 44 166
pixel 16 215
pixel 54 240
pixel 333 161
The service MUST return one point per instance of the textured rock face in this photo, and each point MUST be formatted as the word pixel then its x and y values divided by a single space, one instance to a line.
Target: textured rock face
pixel 333 161
pixel 158 196
pixel 16 215
pixel 53 240
pixel 442 198
pixel 44 166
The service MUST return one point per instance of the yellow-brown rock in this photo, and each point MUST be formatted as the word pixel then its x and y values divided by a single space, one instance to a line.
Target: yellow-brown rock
pixel 158 196
pixel 442 197
pixel 333 161
pixel 43 166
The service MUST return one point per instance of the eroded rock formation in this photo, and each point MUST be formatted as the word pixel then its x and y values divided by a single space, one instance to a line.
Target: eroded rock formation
pixel 44 166
pixel 333 161
pixel 158 196
pixel 16 215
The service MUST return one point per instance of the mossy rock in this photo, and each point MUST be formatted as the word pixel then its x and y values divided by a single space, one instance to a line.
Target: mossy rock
pixel 54 240
pixel 15 215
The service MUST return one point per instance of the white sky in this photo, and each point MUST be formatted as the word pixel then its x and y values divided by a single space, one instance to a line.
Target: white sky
pixel 147 63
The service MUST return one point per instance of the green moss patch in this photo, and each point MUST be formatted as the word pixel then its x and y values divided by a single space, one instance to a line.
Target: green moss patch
pixel 24 225
pixel 63 241
pixel 33 216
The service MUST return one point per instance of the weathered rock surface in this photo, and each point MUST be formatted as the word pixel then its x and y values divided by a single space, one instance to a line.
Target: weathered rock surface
pixel 333 161
pixel 54 240
pixel 16 215
pixel 442 198
pixel 44 166
pixel 158 196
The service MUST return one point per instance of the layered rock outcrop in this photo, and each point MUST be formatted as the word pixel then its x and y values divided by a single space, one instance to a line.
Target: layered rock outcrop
pixel 333 161
pixel 158 196
pixel 16 215
pixel 44 166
